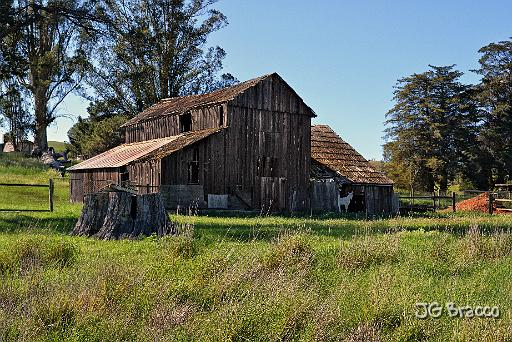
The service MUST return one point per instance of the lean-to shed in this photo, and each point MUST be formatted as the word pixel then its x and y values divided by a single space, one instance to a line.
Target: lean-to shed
pixel 338 171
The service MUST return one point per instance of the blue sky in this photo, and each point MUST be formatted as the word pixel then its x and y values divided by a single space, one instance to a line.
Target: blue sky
pixel 344 57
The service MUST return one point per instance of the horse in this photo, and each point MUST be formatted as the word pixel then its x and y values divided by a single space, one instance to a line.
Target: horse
pixel 345 201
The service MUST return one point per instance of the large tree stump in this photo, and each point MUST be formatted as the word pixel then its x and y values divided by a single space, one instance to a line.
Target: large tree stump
pixel 114 215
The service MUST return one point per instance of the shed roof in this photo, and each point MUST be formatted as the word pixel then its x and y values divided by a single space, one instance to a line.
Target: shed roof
pixel 328 149
pixel 182 104
pixel 126 154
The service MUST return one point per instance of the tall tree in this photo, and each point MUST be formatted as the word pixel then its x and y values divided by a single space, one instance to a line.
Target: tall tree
pixel 495 97
pixel 17 119
pixel 153 49
pixel 427 127
pixel 40 46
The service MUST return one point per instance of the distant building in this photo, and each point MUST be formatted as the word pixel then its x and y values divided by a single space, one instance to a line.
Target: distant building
pixel 24 146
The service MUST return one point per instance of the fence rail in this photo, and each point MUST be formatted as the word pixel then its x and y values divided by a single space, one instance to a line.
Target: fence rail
pixel 497 201
pixel 436 202
pixel 50 186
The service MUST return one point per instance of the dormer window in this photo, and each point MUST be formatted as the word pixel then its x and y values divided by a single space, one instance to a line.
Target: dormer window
pixel 185 123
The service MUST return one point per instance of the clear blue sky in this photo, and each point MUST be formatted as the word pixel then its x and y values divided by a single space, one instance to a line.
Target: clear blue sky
pixel 343 57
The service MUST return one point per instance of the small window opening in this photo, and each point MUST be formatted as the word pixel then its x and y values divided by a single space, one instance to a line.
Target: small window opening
pixel 133 208
pixel 193 168
pixel 124 176
pixel 221 119
pixel 185 123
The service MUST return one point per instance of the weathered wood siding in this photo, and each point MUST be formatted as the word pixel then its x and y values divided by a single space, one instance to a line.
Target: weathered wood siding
pixel 324 195
pixel 379 199
pixel 145 174
pixel 263 157
pixel 269 137
pixel 84 182
pixel 169 125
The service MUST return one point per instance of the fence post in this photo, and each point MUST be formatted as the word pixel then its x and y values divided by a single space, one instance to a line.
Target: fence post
pixel 50 194
pixel 491 200
pixel 453 201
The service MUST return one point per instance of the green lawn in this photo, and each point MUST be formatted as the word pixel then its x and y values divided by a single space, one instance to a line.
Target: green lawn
pixel 59 146
pixel 248 278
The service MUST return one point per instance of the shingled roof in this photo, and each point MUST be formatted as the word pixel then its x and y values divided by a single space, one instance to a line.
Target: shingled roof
pixel 183 104
pixel 126 154
pixel 329 150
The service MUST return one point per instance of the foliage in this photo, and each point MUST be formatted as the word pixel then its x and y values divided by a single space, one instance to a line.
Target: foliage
pixel 89 137
pixel 429 126
pixel 441 130
pixel 40 49
pixel 18 119
pixel 495 97
pixel 153 49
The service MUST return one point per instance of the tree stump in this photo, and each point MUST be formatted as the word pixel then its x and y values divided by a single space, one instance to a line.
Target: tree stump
pixel 114 215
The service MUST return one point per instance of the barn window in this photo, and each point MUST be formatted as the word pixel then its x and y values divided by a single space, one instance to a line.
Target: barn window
pixel 185 123
pixel 124 176
pixel 221 119
pixel 193 168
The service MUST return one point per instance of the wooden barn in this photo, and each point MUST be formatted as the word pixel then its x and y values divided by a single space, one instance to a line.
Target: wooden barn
pixel 241 147
pixel 338 171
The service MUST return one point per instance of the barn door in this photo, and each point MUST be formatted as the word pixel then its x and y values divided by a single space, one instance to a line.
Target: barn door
pixel 274 194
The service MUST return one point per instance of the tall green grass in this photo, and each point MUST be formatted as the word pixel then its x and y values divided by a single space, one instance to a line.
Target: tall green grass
pixel 298 286
pixel 323 278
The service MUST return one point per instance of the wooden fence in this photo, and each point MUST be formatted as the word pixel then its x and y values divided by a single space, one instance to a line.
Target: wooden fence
pixel 50 187
pixel 500 200
pixel 433 202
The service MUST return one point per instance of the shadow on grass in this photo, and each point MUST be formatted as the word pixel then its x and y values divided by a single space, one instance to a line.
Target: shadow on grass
pixel 58 224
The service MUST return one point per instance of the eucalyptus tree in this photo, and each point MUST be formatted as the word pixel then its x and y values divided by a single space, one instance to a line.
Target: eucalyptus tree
pixel 41 48
pixel 153 49
pixel 495 98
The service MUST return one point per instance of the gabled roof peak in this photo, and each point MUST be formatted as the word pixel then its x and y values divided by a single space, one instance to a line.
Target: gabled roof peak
pixel 182 104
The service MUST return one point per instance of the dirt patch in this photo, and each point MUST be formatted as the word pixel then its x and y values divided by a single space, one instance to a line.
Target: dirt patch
pixel 479 203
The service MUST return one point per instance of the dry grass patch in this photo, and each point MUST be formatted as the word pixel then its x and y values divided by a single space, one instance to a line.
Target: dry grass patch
pixel 367 251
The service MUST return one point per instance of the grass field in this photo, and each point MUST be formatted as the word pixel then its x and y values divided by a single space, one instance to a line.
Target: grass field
pixel 248 278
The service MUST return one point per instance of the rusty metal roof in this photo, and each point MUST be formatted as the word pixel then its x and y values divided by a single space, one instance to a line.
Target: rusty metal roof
pixel 328 149
pixel 179 105
pixel 126 154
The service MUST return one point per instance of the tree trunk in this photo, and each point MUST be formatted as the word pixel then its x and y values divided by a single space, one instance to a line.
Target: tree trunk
pixel 114 215
pixel 41 107
pixel 443 184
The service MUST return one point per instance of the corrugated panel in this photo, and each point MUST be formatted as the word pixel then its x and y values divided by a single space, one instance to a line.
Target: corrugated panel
pixel 328 149
pixel 178 105
pixel 152 149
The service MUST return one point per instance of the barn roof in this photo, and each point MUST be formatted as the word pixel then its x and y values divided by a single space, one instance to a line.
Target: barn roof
pixel 180 105
pixel 126 154
pixel 328 149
